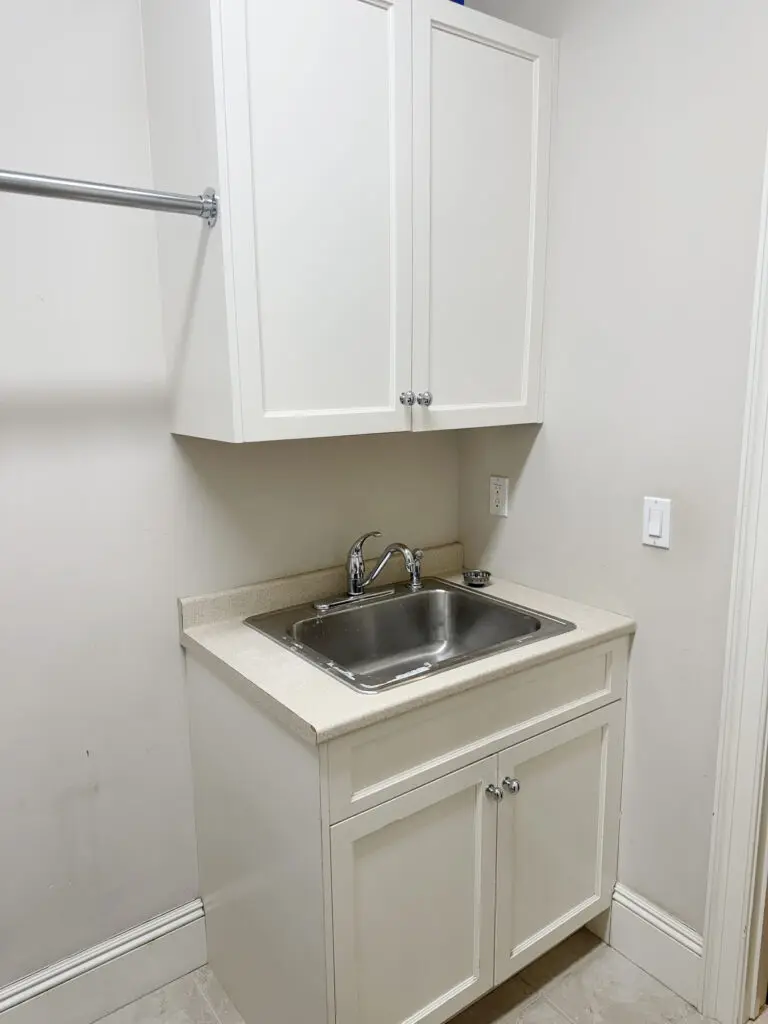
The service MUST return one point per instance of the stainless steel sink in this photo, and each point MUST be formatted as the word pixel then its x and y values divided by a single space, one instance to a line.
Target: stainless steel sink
pixel 399 635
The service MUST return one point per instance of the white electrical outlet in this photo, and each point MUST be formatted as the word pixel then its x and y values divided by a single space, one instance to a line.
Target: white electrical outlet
pixel 499 496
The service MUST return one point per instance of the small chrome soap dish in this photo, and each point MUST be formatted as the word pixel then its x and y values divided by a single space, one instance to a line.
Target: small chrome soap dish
pixel 477 577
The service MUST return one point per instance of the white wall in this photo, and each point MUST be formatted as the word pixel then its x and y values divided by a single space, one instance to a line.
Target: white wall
pixel 106 518
pixel 658 160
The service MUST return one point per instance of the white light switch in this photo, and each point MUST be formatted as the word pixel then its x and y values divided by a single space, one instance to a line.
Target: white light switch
pixel 657 513
pixel 655 522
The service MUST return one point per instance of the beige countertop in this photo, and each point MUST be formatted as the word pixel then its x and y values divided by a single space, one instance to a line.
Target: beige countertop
pixel 319 707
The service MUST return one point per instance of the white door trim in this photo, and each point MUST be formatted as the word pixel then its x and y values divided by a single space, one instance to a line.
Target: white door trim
pixel 736 884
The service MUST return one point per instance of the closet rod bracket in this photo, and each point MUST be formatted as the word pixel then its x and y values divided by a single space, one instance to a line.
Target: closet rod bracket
pixel 210 210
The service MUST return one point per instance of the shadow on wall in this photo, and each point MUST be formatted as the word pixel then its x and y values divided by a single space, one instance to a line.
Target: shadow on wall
pixel 494 451
pixel 81 409
pixel 283 507
pixel 230 513
pixel 179 343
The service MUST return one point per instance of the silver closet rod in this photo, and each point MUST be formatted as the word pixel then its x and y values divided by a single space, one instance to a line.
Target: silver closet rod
pixel 205 205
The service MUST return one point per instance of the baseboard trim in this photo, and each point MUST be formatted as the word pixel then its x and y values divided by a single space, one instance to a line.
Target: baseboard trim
pixel 662 945
pixel 84 987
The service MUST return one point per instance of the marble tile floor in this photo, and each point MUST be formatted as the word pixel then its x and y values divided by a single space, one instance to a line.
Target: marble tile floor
pixel 580 982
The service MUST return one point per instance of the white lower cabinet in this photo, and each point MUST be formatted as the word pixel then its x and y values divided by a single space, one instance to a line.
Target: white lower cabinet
pixel 448 890
pixel 557 836
pixel 397 872
pixel 413 885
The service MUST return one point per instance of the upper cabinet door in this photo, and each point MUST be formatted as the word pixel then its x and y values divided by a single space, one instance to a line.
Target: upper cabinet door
pixel 318 141
pixel 482 98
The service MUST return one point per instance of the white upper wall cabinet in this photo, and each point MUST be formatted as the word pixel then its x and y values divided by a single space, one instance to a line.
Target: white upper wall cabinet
pixel 294 316
pixel 482 97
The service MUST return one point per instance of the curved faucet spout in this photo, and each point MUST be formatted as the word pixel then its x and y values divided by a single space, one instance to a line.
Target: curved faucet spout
pixel 356 579
pixel 412 561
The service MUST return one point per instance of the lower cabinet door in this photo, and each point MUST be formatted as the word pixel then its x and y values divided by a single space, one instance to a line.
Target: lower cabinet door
pixel 557 835
pixel 413 891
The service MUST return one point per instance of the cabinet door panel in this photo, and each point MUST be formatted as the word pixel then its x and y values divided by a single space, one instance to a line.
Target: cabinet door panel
pixel 558 836
pixel 322 117
pixel 481 140
pixel 413 902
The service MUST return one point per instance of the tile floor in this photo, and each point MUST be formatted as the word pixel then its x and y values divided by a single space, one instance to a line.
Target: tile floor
pixel 579 982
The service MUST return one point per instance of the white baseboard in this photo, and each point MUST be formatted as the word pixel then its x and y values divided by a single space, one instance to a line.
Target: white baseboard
pixel 85 987
pixel 657 942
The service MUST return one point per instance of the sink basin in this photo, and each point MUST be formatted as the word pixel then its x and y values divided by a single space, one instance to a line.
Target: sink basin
pixel 398 636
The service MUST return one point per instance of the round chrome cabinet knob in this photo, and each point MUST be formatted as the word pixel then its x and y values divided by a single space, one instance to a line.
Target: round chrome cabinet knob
pixel 407 398
pixel 424 398
pixel 511 784
pixel 495 792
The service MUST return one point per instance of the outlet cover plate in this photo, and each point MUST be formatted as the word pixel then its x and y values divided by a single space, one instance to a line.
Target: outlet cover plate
pixel 499 496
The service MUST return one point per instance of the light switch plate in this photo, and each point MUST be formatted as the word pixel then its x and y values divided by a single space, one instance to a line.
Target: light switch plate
pixel 657 513
pixel 499 496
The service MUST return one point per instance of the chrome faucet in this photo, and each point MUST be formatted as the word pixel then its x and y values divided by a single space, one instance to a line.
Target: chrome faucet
pixel 357 581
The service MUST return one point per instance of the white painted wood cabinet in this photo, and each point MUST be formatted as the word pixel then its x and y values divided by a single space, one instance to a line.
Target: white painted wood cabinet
pixel 452 889
pixel 413 902
pixel 481 102
pixel 413 907
pixel 557 836
pixel 382 167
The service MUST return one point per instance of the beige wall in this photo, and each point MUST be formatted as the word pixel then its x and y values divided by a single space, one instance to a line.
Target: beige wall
pixel 658 160
pixel 106 518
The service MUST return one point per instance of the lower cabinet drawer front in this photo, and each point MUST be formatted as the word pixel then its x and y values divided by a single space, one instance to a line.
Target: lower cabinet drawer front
pixel 387 759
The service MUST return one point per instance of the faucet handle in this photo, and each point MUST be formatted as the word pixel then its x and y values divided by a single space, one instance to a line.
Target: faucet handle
pixel 357 547
pixel 356 565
